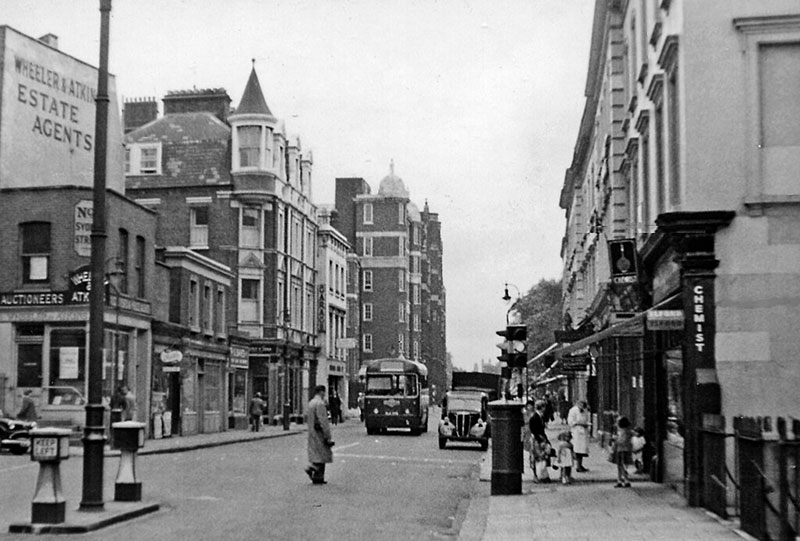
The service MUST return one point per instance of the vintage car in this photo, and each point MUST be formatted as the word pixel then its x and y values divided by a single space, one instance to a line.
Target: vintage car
pixel 465 418
pixel 15 434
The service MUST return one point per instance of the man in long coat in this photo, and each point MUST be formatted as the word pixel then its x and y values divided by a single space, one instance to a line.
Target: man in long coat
pixel 320 439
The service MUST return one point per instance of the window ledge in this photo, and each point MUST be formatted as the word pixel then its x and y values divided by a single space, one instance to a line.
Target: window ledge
pixel 756 205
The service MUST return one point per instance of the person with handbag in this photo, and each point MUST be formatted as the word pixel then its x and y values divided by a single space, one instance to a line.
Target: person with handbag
pixel 540 446
pixel 320 438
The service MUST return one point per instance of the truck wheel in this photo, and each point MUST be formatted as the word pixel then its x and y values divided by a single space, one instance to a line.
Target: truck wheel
pixel 442 443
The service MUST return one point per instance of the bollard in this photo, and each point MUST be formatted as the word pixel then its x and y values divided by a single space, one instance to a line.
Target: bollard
pixel 128 438
pixel 506 447
pixel 286 409
pixel 49 446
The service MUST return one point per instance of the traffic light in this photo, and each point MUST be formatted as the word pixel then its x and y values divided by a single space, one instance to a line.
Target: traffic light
pixel 514 349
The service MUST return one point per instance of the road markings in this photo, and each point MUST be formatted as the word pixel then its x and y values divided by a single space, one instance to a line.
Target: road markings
pixel 29 465
pixel 348 446
pixel 407 459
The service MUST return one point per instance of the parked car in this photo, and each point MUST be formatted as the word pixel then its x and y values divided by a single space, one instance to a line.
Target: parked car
pixel 15 434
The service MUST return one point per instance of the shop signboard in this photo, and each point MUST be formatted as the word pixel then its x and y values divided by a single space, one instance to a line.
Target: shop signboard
pixel 665 320
pixel 622 259
pixel 239 357
pixel 82 241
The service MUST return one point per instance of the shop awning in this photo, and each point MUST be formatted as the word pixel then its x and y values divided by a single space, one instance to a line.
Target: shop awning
pixel 613 330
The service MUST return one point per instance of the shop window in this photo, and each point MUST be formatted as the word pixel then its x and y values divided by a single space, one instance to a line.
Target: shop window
pixel 30 339
pixel 67 366
pixel 211 381
pixel 238 394
pixel 35 252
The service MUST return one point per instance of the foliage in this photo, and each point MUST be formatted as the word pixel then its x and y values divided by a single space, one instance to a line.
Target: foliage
pixel 540 310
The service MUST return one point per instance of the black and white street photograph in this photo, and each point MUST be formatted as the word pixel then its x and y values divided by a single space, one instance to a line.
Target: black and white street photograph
pixel 400 270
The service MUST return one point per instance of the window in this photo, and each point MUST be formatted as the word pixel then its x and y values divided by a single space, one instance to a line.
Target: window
pixel 127 160
pixel 194 303
pixel 401 243
pixel 250 295
pixel 35 252
pixel 208 309
pixel 367 246
pixel 416 350
pixel 123 261
pixel 251 227
pixel 219 312
pixel 367 342
pixel 401 213
pixel 198 233
pixel 249 138
pixel 367 311
pixel 149 161
pixel 367 218
pixel 367 280
pixel 416 322
pixel 401 344
pixel 330 277
pixel 415 293
pixel 401 312
pixel 139 266
pixel 401 280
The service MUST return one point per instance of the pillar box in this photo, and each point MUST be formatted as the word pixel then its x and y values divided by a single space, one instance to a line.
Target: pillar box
pixel 506 447
pixel 49 446
pixel 128 438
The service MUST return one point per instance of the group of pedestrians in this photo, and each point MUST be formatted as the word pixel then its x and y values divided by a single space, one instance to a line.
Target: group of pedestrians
pixel 572 446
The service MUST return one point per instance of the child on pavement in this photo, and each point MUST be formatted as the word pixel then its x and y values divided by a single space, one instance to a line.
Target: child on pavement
pixel 565 456
pixel 622 451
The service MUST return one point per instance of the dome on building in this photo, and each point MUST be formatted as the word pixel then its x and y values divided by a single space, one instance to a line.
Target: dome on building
pixel 392 185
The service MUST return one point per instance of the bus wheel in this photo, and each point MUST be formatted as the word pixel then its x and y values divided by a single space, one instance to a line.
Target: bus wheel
pixel 442 443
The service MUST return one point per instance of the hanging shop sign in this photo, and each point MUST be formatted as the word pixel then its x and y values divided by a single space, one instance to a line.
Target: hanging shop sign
pixel 665 320
pixel 622 259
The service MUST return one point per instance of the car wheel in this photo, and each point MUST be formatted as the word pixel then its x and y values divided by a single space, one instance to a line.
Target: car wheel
pixel 18 450
pixel 442 443
pixel 484 444
pixel 415 431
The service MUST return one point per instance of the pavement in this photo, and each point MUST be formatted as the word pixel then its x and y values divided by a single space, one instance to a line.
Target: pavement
pixel 590 508
pixel 114 512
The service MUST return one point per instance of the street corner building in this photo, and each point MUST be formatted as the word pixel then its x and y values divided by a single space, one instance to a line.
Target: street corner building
pixel 681 250
pixel 47 111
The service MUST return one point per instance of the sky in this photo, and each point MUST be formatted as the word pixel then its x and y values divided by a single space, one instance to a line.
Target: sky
pixel 477 102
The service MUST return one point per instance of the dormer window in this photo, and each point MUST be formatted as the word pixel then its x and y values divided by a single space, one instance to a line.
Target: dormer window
pixel 143 159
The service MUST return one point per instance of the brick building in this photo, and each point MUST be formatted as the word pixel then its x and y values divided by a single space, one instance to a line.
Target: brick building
pixel 232 187
pixel 47 112
pixel 390 237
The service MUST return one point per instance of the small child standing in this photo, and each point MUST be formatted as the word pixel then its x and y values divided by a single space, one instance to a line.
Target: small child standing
pixel 565 456
pixel 637 444
pixel 623 451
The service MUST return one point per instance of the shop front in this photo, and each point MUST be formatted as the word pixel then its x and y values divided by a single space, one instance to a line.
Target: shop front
pixel 238 383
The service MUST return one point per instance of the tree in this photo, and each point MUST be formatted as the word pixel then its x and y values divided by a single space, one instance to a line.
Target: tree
pixel 540 310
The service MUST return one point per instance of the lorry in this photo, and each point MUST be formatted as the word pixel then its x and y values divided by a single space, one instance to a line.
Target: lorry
pixel 465 408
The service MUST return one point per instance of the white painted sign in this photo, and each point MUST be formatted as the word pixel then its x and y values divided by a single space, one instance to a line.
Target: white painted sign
pixel 82 240
pixel 68 363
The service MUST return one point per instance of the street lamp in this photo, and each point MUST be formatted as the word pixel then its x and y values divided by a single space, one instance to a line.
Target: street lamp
pixel 94 430
pixel 506 297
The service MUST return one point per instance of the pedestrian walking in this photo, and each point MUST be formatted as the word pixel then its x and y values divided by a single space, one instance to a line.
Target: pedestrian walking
pixel 578 420
pixel 360 402
pixel 28 410
pixel 548 409
pixel 565 456
pixel 320 439
pixel 541 444
pixel 335 405
pixel 564 406
pixel 622 450
pixel 256 412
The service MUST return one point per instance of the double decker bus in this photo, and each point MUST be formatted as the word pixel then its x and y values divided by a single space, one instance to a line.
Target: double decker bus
pixel 396 395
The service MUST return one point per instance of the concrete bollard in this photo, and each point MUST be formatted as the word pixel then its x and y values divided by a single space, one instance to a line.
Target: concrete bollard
pixel 49 446
pixel 507 458
pixel 128 438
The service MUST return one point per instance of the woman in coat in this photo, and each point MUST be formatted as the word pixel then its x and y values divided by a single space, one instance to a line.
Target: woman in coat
pixel 540 446
pixel 320 439
pixel 579 423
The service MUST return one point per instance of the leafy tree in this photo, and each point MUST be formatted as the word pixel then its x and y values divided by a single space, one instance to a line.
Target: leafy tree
pixel 540 310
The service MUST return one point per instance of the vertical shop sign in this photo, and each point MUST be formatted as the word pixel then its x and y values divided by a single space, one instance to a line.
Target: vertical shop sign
pixel 82 241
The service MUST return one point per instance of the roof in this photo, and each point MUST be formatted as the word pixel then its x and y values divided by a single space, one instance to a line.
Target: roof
pixel 392 185
pixel 253 101
pixel 181 128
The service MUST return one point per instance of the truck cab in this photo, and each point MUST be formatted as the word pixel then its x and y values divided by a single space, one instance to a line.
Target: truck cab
pixel 465 418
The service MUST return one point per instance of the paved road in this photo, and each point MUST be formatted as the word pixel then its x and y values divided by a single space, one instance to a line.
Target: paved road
pixel 393 486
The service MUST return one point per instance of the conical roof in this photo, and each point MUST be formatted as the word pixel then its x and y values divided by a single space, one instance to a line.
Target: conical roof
pixel 253 101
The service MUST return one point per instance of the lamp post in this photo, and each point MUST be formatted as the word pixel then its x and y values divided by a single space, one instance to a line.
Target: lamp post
pixel 507 298
pixel 94 431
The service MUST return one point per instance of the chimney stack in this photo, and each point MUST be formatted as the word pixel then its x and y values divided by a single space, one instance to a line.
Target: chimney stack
pixel 137 112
